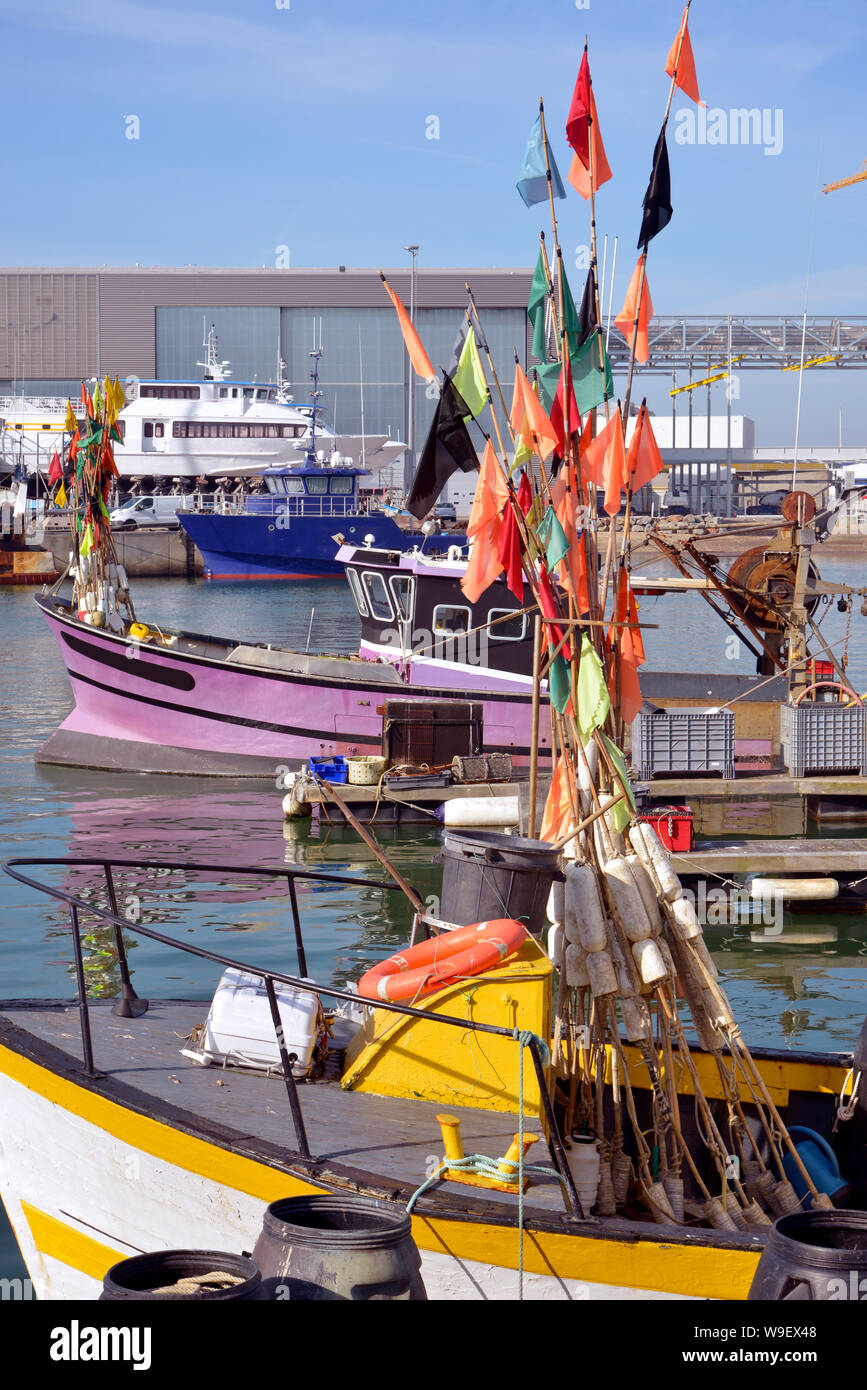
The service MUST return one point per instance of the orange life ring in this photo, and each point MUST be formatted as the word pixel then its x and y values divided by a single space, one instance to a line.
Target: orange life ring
pixel 440 961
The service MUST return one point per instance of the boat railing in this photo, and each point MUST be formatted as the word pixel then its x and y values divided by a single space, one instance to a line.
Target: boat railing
pixel 129 1005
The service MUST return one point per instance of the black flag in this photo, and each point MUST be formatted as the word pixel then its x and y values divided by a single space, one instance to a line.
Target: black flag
pixel 448 447
pixel 587 320
pixel 657 199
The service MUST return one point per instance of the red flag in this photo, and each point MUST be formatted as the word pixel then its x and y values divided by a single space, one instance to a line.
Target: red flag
pixel 55 471
pixel 546 603
pixel 566 421
pixel 73 446
pixel 525 494
pixel 582 126
pixel 509 553
pixel 417 355
pixel 682 68
pixel 625 321
pixel 644 460
pixel 631 648
pixel 604 463
pixel 83 394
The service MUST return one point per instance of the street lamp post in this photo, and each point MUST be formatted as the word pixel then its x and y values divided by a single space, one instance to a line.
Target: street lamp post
pixel 409 459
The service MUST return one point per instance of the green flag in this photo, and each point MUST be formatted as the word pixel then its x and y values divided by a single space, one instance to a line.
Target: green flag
pixel 569 320
pixel 469 379
pixel 593 701
pixel 559 685
pixel 553 538
pixel 536 310
pixel 592 384
pixel 623 811
pixel 548 376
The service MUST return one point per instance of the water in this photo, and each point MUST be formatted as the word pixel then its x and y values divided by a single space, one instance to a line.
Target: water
pixel 783 996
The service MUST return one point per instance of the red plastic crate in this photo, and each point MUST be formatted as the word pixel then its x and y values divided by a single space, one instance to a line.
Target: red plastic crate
pixel 820 670
pixel 673 825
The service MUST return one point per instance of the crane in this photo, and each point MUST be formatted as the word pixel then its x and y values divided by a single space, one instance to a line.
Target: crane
pixel 844 183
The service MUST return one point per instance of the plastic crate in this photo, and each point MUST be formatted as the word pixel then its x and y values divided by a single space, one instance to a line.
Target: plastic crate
pixel 684 740
pixel 820 738
pixel 333 769
pixel 673 825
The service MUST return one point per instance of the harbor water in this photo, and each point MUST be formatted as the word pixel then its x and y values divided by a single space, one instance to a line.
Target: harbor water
pixel 809 996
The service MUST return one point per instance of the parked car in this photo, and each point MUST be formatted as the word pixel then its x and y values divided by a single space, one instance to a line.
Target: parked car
pixel 146 511
pixel 445 511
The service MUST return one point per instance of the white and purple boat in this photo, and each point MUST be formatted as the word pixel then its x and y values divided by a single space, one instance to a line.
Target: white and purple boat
pixel 154 700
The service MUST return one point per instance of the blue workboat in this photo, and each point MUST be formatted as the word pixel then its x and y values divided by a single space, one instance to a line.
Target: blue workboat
pixel 294 530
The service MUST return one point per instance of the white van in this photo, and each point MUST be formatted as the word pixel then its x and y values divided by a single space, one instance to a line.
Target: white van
pixel 146 511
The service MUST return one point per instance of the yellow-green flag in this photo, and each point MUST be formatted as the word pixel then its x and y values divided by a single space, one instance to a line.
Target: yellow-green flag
pixel 469 378
pixel 622 813
pixel 87 541
pixel 593 701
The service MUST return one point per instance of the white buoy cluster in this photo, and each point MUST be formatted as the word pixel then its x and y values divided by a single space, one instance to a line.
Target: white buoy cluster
pixel 100 592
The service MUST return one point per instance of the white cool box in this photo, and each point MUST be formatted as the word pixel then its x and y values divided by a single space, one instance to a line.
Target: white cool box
pixel 239 1027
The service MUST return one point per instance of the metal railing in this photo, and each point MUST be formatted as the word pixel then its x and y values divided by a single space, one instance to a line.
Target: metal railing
pixel 129 1005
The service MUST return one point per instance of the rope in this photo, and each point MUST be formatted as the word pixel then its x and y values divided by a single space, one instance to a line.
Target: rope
pixel 493 1167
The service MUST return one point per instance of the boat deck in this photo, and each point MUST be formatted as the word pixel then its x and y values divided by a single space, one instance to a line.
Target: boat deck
pixel 384 1136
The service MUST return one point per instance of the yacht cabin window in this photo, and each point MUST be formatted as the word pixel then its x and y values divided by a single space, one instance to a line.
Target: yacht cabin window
pixel 377 594
pixel 357 592
pixel 154 429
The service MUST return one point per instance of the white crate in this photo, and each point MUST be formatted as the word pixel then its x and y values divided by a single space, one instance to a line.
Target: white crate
pixel 239 1027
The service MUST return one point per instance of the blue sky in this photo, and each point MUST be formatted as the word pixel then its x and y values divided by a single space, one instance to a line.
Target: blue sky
pixel 306 126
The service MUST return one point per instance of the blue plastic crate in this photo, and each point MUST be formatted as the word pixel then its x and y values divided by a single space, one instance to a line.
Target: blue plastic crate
pixel 333 769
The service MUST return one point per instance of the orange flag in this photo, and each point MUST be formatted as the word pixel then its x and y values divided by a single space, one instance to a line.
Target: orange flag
pixel 572 571
pixel 417 355
pixel 625 321
pixel 528 417
pixel 644 460
pixel 604 463
pixel 558 817
pixel 623 685
pixel 485 524
pixel 579 173
pixel 684 66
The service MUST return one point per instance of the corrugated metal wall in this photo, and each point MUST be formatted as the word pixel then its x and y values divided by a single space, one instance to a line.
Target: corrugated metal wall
pixel 63 323
pixel 49 324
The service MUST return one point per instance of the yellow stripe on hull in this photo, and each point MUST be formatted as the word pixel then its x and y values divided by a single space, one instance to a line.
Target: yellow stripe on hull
pixel 695 1270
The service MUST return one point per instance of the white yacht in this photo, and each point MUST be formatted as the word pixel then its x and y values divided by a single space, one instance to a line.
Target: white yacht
pixel 223 428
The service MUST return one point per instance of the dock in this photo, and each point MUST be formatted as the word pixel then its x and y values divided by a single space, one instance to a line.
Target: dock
pixel 825 856
pixel 396 805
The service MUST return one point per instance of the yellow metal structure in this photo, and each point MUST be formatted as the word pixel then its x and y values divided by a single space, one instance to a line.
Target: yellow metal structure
pixel 508 1166
pixel 395 1055
pixel 846 183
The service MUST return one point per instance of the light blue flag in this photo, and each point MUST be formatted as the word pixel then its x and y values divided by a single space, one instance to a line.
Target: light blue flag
pixel 533 183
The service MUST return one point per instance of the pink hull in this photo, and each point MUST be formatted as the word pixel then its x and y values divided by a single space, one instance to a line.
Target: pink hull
pixel 232 715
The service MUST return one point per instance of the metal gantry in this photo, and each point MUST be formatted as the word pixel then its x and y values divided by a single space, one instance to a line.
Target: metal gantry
pixel 703 343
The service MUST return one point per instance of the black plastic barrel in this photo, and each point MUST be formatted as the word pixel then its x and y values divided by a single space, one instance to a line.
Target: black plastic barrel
pixel 814 1255
pixel 347 1248
pixel 487 875
pixel 205 1276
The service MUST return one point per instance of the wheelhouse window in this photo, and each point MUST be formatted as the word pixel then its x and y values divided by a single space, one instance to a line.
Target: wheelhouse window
pixel 451 620
pixel 169 393
pixel 293 485
pixel 213 429
pixel 377 595
pixel 402 589
pixel 317 486
pixel 357 592
pixel 508 629
pixel 341 487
